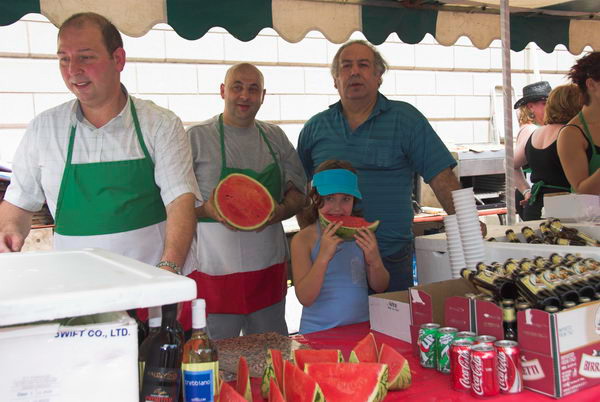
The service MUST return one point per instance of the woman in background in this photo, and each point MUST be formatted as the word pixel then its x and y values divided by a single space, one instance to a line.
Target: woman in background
pixel 578 142
pixel 540 150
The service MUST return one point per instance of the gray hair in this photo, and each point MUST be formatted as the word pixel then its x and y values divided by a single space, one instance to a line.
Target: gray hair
pixel 381 66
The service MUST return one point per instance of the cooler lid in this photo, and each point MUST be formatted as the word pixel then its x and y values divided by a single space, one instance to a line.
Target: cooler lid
pixel 36 286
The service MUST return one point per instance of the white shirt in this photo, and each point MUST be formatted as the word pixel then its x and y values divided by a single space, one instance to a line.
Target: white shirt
pixel 40 158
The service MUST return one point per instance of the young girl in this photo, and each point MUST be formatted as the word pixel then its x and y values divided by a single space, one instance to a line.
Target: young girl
pixel 330 275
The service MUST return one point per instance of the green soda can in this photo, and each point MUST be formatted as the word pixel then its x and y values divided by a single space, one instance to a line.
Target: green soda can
pixel 444 339
pixel 427 335
pixel 466 335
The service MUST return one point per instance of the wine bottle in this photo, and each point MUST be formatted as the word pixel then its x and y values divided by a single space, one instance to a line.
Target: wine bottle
pixel 530 236
pixel 154 321
pixel 142 328
pixel 162 371
pixel 200 368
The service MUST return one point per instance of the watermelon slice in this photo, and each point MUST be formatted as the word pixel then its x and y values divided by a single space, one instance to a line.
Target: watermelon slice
pixel 273 369
pixel 349 382
pixel 228 394
pixel 299 386
pixel 349 225
pixel 302 356
pixel 399 376
pixel 243 202
pixel 243 379
pixel 365 350
pixel 274 392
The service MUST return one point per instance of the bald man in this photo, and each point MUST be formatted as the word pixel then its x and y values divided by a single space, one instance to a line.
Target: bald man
pixel 243 275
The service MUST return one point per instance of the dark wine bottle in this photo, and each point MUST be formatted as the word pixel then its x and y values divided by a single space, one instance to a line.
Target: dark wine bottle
pixel 162 372
pixel 154 323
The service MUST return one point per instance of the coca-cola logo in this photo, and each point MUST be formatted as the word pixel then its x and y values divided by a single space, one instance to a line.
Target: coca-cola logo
pixel 477 375
pixel 464 361
pixel 503 371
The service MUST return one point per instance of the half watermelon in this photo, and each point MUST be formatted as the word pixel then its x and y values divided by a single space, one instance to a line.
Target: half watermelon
pixel 303 356
pixel 273 370
pixel 349 225
pixel 243 202
pixel 299 386
pixel 243 379
pixel 350 382
pixel 365 350
pixel 399 376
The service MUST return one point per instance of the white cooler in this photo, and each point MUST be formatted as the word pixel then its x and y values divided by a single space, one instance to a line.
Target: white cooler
pixel 94 358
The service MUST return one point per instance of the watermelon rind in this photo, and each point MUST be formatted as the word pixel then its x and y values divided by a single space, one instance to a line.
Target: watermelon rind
pixel 302 356
pixel 349 382
pixel 365 350
pixel 399 376
pixel 243 379
pixel 264 217
pixel 345 232
pixel 299 386
pixel 274 370
pixel 228 394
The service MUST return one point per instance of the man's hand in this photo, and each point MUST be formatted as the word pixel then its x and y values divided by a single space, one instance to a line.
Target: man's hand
pixel 11 242
pixel 209 210
pixel 15 224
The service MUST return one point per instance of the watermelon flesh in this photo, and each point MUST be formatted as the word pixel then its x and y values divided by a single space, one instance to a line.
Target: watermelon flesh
pixel 350 224
pixel 243 202
pixel 273 370
pixel 350 382
pixel 365 351
pixel 303 356
pixel 399 376
pixel 228 394
pixel 299 386
pixel 275 394
pixel 243 379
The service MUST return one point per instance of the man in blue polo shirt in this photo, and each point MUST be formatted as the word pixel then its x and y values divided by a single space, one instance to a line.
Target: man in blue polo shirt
pixel 387 142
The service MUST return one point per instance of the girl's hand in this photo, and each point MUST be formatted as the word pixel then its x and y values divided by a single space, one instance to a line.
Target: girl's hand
pixel 365 239
pixel 329 241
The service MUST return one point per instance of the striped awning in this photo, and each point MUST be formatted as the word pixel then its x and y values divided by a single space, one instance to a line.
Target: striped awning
pixel 574 24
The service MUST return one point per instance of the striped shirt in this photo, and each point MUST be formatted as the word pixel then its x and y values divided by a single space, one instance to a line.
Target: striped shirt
pixel 393 144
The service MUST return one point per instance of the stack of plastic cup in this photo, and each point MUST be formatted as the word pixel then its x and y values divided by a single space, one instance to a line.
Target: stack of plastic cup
pixel 468 226
pixel 454 244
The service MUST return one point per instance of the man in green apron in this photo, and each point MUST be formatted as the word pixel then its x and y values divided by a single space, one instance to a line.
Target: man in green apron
pixel 242 275
pixel 114 170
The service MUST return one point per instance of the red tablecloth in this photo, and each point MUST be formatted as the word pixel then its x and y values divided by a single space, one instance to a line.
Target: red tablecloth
pixel 427 385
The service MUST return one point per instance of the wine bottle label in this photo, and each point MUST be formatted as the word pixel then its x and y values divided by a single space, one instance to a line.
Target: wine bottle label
pixel 200 381
pixel 160 384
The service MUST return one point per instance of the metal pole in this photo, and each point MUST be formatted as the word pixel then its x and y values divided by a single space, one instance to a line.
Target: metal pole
pixel 508 134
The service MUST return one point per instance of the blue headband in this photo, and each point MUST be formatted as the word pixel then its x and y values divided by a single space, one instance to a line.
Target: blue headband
pixel 336 181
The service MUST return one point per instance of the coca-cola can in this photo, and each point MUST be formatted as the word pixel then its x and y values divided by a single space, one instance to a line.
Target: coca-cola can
pixel 510 373
pixel 485 339
pixel 484 377
pixel 460 364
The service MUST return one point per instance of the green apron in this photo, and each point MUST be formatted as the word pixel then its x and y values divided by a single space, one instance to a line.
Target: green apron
pixel 594 163
pixel 270 176
pixel 108 197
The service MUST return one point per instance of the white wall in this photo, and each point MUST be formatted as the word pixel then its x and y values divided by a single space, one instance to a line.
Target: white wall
pixel 450 85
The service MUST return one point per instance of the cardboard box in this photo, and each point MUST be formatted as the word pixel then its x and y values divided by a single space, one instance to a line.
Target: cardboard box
pixel 51 362
pixel 389 313
pixel 572 207
pixel 561 351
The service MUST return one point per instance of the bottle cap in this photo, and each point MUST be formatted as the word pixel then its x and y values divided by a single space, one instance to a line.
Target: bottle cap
pixel 198 313
pixel 154 316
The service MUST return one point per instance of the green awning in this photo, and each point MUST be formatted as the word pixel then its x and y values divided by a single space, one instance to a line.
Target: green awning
pixel 574 23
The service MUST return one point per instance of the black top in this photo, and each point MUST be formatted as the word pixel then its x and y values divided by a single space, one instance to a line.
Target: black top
pixel 545 165
pixel 588 151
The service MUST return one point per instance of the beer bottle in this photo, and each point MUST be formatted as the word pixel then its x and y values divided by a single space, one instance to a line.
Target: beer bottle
pixel 498 286
pixel 547 234
pixel 530 236
pixel 509 319
pixel 491 239
pixel 568 304
pixel 572 233
pixel 200 368
pixel 584 299
pixel 525 265
pixel 537 294
pixel 551 309
pixel 511 267
pixel 522 306
pixel 162 373
pixel 512 236
pixel 540 262
pixel 564 291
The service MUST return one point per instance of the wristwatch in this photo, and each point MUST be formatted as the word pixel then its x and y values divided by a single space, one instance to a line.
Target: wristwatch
pixel 171 265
